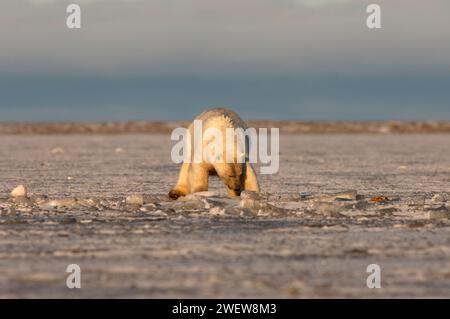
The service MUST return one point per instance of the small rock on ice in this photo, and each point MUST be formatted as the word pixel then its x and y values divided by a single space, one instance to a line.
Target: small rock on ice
pixel 19 191
pixel 199 195
pixel 439 198
pixel 135 200
pixel 57 150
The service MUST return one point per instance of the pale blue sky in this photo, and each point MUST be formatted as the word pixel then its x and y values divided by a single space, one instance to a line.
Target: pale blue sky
pixel 170 59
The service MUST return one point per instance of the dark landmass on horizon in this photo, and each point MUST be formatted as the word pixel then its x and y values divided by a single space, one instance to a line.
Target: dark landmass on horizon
pixel 286 127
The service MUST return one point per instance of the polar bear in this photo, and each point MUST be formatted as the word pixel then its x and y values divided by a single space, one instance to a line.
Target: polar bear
pixel 238 175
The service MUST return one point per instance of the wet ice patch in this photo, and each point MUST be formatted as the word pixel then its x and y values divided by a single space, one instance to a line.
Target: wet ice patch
pixel 345 205
pixel 255 203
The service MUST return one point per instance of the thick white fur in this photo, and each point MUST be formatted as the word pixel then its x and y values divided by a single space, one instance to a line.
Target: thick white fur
pixel 237 177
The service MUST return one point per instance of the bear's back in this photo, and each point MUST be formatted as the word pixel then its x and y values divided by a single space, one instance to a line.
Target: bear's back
pixel 221 118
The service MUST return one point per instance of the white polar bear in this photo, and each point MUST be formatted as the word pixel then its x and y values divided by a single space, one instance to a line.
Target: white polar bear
pixel 237 174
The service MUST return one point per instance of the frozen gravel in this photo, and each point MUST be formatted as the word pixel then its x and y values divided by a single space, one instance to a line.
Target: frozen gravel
pixel 338 204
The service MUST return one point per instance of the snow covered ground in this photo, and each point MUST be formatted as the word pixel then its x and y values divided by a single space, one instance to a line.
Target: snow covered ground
pixel 338 204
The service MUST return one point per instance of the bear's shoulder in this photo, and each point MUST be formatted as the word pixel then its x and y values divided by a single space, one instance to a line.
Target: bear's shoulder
pixel 221 117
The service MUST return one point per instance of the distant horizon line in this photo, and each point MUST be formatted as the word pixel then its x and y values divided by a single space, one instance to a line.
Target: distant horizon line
pixel 285 126
pixel 51 122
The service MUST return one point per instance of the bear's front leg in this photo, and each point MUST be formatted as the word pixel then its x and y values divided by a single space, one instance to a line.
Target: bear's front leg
pixel 198 177
pixel 182 188
pixel 250 182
